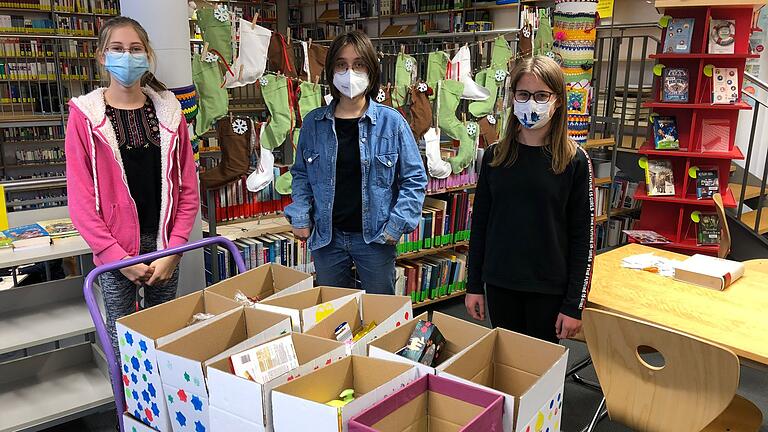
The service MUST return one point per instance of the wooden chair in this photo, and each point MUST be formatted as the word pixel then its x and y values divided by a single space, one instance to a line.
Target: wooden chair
pixel 693 390
pixel 725 232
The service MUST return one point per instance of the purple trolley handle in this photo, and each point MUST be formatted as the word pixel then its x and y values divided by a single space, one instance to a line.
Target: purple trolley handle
pixel 101 328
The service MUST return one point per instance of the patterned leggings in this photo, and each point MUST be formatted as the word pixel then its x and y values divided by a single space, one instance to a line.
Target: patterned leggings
pixel 120 294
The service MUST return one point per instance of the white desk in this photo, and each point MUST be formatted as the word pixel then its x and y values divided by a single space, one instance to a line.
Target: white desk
pixel 61 248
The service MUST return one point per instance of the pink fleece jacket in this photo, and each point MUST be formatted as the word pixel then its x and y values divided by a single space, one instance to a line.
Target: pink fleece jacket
pixel 100 203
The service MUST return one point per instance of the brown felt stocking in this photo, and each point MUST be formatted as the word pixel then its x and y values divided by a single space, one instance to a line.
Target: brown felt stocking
pixel 317 55
pixel 384 96
pixel 280 56
pixel 488 130
pixel 234 137
pixel 421 111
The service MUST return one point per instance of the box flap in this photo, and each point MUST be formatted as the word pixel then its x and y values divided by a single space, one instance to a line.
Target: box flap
pixel 287 280
pixel 459 334
pixel 216 305
pixel 379 307
pixel 398 338
pixel 349 312
pixel 210 339
pixel 166 318
pixel 253 283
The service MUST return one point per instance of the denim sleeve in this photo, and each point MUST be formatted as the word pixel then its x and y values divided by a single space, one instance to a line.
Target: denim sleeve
pixel 298 212
pixel 412 182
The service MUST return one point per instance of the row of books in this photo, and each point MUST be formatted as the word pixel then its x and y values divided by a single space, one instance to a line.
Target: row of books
pixel 46 71
pixel 66 48
pixel 715 134
pixel 34 175
pixel 676 85
pixel 37 234
pixel 108 7
pixel 44 5
pixel 234 201
pixel 618 195
pixel 283 249
pixel 32 133
pixel 33 200
pixel 22 24
pixel 443 222
pixel 611 234
pixel 660 179
pixel 720 38
pixel 41 155
pixel 431 277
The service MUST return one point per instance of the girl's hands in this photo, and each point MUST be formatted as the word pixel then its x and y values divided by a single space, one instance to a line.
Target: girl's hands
pixel 138 274
pixel 163 269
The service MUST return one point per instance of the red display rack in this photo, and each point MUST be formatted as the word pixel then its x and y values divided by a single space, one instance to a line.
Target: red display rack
pixel 707 132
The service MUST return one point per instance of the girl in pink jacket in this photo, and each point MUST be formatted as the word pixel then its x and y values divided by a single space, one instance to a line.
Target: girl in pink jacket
pixel 131 178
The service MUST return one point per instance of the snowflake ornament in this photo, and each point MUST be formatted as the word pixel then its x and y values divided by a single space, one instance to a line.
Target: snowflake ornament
pixel 239 126
pixel 381 96
pixel 221 13
pixel 263 81
pixel 491 119
pixel 410 65
pixel 211 57
pixel 551 55
pixel 422 87
pixel 501 75
pixel 472 129
pixel 526 32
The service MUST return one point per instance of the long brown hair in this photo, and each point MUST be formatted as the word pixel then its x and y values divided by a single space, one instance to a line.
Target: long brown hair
pixel 148 79
pixel 562 148
pixel 362 44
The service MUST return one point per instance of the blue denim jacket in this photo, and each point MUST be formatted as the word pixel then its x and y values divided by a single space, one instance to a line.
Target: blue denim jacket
pixel 393 175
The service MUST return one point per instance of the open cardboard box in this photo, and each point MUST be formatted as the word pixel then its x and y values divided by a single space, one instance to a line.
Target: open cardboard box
pixel 433 404
pixel 140 333
pixel 238 404
pixel 183 360
pixel 528 372
pixel 307 308
pixel 459 334
pixel 265 281
pixel 300 405
pixel 388 311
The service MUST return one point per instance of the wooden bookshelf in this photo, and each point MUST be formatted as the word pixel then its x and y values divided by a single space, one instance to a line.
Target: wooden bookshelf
pixel 429 302
pixel 453 189
pixel 431 251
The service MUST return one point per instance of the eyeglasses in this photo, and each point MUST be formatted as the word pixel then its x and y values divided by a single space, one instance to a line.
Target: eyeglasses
pixel 541 97
pixel 357 66
pixel 132 50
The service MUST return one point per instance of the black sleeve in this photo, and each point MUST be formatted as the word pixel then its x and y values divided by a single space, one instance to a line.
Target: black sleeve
pixel 480 212
pixel 581 236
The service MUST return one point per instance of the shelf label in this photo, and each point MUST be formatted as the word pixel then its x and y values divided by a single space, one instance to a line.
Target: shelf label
pixel 605 8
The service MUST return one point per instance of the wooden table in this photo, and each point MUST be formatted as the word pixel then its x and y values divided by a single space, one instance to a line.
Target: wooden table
pixel 736 318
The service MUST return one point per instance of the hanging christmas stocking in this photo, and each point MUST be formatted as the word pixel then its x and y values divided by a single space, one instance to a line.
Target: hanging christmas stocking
pixel 309 99
pixel 488 129
pixel 265 170
pixel 281 59
pixel 275 91
pixel 488 78
pixel 437 63
pixel 437 167
pixel 405 73
pixel 235 141
pixel 384 96
pixel 503 123
pixel 421 110
pixel 251 55
pixel 500 54
pixel 461 70
pixel 217 30
pixel 525 42
pixel 542 43
pixel 468 137
pixel 213 101
pixel 448 96
pixel 317 54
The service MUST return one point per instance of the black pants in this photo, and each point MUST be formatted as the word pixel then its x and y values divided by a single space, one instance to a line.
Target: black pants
pixel 531 314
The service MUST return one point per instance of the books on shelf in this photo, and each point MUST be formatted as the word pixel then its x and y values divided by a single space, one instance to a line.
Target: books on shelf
pixel 59 228
pixel 431 277
pixel 665 133
pixel 708 229
pixel 618 195
pixel 722 36
pixel 234 201
pixel 660 178
pixel 709 272
pixel 675 85
pixel 646 237
pixel 611 234
pixel 707 182
pixel 443 222
pixel 679 33
pixel 28 236
pixel 725 85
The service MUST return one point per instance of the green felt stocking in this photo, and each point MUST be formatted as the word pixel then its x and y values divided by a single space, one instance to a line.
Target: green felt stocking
pixel 310 98
pixel 467 148
pixel 486 78
pixel 275 91
pixel 436 67
pixel 213 101
pixel 500 54
pixel 216 32
pixel 405 72
pixel 449 95
pixel 543 41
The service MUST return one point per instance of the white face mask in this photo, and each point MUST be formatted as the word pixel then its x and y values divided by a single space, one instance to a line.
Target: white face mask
pixel 350 83
pixel 533 115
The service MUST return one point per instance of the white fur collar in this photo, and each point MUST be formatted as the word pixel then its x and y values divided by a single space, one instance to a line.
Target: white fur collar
pixel 167 107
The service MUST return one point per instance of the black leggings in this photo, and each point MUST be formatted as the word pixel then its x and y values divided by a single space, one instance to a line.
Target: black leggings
pixel 532 314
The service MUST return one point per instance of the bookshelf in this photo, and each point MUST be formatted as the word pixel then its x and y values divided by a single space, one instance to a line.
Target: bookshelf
pixel 673 216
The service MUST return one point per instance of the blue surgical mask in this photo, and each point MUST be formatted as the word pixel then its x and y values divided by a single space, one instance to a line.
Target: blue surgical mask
pixel 125 67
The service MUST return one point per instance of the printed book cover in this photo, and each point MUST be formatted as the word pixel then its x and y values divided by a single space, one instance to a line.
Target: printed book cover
pixel 708 229
pixel 675 85
pixel 660 178
pixel 25 232
pixel 722 36
pixel 679 33
pixel 665 135
pixel 707 183
pixel 725 86
pixel 59 228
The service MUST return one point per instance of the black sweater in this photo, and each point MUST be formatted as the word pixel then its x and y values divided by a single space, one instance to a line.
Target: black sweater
pixel 533 230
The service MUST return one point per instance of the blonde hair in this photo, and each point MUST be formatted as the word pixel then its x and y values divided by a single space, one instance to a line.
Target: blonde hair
pixel 148 79
pixel 562 148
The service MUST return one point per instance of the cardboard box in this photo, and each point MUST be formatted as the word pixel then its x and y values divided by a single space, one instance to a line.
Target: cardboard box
pixel 433 404
pixel 300 405
pixel 183 361
pixel 528 372
pixel 140 333
pixel 459 334
pixel 307 308
pixel 130 424
pixel 388 311
pixel 247 404
pixel 266 281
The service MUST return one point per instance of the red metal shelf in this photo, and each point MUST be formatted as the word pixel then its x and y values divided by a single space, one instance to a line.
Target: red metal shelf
pixel 648 149
pixel 642 194
pixel 708 106
pixel 690 245
pixel 707 56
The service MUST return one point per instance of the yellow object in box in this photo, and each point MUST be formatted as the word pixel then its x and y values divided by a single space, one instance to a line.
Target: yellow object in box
pixel 364 331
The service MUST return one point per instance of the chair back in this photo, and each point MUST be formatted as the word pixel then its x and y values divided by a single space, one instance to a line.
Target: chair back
pixel 694 385
pixel 725 232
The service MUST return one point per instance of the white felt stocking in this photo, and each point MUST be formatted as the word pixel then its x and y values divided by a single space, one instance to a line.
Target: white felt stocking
pixel 265 171
pixel 438 168
pixel 461 70
pixel 251 56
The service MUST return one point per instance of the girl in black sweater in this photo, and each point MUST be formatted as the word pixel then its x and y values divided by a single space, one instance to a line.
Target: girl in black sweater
pixel 533 232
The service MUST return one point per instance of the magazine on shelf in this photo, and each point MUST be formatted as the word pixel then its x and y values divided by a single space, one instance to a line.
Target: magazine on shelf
pixel 646 236
pixel 665 134
pixel 722 36
pixel 679 32
pixel 707 182
pixel 28 236
pixel 675 85
pixel 59 228
pixel 725 86
pixel 660 178
pixel 708 229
